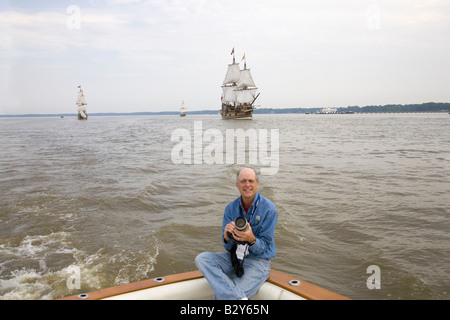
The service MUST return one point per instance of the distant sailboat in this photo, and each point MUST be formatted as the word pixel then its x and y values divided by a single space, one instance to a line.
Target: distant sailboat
pixel 239 92
pixel 183 110
pixel 81 105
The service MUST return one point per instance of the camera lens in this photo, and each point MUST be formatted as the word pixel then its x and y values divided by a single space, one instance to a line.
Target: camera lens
pixel 240 223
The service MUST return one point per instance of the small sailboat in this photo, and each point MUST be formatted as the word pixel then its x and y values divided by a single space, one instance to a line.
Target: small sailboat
pixel 81 105
pixel 238 92
pixel 183 110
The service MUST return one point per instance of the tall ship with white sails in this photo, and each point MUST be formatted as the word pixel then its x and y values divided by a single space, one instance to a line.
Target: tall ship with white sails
pixel 81 105
pixel 183 110
pixel 238 92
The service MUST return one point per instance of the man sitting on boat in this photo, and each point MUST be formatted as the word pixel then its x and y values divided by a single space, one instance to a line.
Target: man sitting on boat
pixel 243 269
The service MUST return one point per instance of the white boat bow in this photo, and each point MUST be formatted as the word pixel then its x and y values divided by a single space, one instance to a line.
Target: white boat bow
pixel 193 286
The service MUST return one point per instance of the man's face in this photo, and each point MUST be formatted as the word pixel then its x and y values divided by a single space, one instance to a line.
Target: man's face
pixel 247 185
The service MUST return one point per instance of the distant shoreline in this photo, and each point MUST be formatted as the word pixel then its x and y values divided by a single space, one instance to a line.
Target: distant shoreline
pixel 429 107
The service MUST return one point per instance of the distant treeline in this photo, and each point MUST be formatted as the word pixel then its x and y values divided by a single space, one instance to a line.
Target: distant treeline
pixel 424 107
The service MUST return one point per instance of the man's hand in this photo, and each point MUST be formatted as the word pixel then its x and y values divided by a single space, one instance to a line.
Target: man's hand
pixel 241 236
pixel 229 228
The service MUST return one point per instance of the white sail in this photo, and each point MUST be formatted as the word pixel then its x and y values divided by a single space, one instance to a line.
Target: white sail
pixel 81 101
pixel 245 96
pixel 233 74
pixel 245 79
pixel 229 95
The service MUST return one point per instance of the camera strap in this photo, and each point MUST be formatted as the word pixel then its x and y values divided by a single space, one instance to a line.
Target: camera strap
pixel 242 249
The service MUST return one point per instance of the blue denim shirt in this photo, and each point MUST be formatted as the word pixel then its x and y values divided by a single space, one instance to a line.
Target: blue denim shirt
pixel 263 219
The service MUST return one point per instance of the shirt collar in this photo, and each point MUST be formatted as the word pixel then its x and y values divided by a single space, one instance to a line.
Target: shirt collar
pixel 245 207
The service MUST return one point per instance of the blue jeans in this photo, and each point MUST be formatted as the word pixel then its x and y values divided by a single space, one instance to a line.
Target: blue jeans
pixel 218 270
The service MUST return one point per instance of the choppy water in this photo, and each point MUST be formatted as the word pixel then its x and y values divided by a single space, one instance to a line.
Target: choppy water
pixel 103 197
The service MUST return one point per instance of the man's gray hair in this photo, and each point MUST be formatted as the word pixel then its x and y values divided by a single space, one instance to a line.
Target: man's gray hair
pixel 239 172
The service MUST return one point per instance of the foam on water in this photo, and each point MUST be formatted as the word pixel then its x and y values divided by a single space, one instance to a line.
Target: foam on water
pixel 39 267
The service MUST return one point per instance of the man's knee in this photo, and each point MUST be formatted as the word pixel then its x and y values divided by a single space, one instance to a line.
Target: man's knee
pixel 201 258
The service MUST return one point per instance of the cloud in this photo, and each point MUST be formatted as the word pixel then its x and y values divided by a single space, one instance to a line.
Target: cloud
pixel 334 53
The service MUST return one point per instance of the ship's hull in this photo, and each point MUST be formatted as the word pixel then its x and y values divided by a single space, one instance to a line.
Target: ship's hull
pixel 242 112
pixel 82 115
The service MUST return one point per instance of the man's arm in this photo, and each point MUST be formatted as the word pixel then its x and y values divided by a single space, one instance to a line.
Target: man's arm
pixel 227 226
pixel 266 234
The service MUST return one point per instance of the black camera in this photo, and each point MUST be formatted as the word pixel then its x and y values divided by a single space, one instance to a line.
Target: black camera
pixel 241 224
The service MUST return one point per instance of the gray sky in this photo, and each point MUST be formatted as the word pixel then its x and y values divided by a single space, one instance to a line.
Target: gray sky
pixel 149 55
